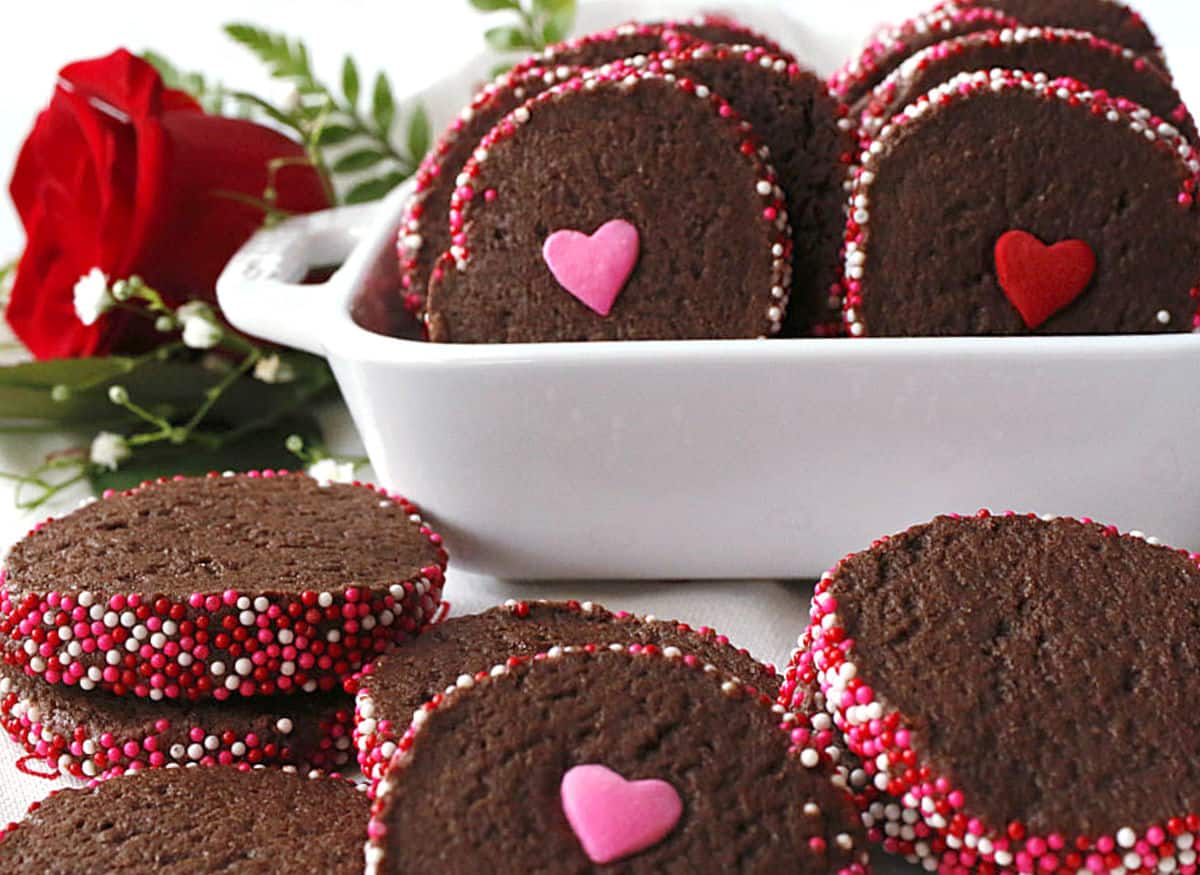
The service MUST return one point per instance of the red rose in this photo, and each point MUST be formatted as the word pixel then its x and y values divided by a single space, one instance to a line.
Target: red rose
pixel 125 175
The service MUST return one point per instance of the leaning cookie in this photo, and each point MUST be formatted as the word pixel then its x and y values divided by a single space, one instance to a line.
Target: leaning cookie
pixel 991 678
pixel 1103 65
pixel 791 110
pixel 888 48
pixel 1106 18
pixel 198 820
pixel 216 586
pixel 424 231
pixel 390 689
pixel 87 734
pixel 586 758
pixel 619 206
pixel 972 195
pixel 644 38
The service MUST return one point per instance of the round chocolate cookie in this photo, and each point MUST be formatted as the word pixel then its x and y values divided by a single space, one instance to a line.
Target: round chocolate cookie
pixel 645 38
pixel 86 734
pixel 402 680
pixel 197 820
pixel 791 110
pixel 620 206
pixel 209 587
pixel 1103 65
pixel 971 194
pixel 723 30
pixel 606 46
pixel 891 45
pixel 1105 18
pixel 424 231
pixel 1017 691
pixel 625 759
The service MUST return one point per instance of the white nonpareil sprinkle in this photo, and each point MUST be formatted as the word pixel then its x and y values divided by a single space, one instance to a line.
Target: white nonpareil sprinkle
pixel 109 450
pixel 92 297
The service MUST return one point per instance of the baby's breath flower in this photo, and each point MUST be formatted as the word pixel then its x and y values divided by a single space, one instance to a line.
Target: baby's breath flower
pixel 273 369
pixel 200 332
pixel 109 450
pixel 92 297
pixel 331 471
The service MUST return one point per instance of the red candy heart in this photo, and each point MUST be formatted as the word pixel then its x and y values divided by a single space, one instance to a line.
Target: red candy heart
pixel 1040 280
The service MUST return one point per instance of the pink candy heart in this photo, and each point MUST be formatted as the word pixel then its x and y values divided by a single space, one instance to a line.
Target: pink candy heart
pixel 594 269
pixel 614 818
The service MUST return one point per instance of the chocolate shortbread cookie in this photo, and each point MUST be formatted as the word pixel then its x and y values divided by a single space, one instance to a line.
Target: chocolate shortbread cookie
pixel 400 682
pixel 1102 65
pixel 791 110
pixel 891 45
pixel 1007 203
pixel 425 229
pixel 198 820
pixel 623 759
pixel 619 206
pixel 86 734
pixel 226 585
pixel 1105 18
pixel 1022 679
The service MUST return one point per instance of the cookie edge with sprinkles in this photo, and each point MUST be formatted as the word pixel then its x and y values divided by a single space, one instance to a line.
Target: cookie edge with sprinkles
pixel 414 595
pixel 375 738
pixel 966 86
pixel 806 756
pixel 941 830
pixel 774 210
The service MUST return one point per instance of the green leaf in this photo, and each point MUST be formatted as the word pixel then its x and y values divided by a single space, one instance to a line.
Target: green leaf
pixel 555 31
pixel 258 450
pixel 507 39
pixel 374 189
pixel 267 109
pixel 332 135
pixel 363 159
pixel 171 389
pixel 383 106
pixel 350 81
pixel 284 59
pixel 494 5
pixel 420 133
pixel 554 7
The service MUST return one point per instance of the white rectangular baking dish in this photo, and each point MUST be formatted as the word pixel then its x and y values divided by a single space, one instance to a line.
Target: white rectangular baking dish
pixel 724 459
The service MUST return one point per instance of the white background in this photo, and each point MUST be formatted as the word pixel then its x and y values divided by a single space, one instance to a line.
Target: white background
pixel 416 42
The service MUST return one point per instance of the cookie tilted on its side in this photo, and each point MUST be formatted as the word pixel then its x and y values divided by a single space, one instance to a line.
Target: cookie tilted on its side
pixel 209 587
pixel 1014 694
pixel 889 47
pixel 615 207
pixel 198 820
pixel 799 122
pixel 623 759
pixel 86 734
pixel 1006 203
pixel 1106 18
pixel 1100 64
pixel 402 680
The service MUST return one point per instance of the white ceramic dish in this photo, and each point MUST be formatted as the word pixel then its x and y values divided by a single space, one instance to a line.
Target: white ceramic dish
pixel 724 459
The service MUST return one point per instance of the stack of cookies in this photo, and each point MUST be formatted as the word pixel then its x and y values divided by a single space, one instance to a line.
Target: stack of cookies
pixel 680 180
pixel 208 620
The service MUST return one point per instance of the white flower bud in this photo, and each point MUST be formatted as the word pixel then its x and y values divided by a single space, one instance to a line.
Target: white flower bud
pixel 92 297
pixel 109 450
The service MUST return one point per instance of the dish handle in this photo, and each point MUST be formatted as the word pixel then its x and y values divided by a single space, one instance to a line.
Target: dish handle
pixel 262 289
